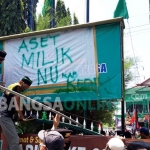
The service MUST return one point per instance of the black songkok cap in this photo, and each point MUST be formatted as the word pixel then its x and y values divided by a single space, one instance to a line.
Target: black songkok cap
pixel 26 80
pixel 3 54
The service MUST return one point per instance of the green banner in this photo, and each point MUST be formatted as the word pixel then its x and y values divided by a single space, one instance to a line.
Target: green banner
pixel 109 53
pixel 76 64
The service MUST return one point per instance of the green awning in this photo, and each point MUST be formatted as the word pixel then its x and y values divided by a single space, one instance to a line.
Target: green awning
pixel 137 93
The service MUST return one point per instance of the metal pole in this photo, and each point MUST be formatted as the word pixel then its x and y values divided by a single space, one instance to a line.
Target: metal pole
pixel 122 115
pixel 87 10
pixel 40 104
pixel 52 12
pixel 87 20
pixel 31 14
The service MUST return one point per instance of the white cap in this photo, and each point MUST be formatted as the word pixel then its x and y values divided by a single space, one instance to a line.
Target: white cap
pixel 116 144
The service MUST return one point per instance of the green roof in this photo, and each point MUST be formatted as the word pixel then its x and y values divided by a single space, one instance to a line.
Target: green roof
pixel 137 93
pixel 137 89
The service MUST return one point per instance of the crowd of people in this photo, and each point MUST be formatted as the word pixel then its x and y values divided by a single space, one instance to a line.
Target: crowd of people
pixel 117 142
pixel 118 138
pixel 141 133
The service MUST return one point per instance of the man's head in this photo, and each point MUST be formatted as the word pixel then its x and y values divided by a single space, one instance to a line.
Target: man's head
pixel 115 144
pixel 52 139
pixel 25 83
pixel 144 132
pixel 2 56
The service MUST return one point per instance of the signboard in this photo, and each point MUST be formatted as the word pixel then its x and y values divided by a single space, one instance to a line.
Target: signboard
pixel 75 64
pixel 78 142
pixel 31 142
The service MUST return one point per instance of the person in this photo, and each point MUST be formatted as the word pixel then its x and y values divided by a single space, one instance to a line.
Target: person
pixel 51 139
pixel 2 56
pixel 144 133
pixel 6 113
pixel 137 134
pixel 111 133
pixel 115 143
pixel 127 134
pixel 138 145
pixel 146 121
pixel 102 131
pixel 119 133
pixel 128 119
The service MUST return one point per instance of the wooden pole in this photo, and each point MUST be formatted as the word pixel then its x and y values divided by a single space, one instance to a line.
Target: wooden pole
pixel 40 104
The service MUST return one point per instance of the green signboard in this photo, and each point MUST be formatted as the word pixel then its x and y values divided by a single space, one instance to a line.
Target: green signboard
pixel 76 63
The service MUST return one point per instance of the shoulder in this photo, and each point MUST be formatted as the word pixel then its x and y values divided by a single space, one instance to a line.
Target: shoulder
pixel 14 87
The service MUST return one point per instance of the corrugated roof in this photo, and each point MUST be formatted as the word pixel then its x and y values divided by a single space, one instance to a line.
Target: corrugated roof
pixel 137 89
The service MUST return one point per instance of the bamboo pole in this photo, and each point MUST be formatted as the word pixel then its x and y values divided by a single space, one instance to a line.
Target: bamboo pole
pixel 40 104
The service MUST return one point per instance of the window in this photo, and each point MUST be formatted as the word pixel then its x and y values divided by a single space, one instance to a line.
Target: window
pixel 129 106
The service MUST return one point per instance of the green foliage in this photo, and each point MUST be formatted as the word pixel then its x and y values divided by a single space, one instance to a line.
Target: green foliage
pixel 75 19
pixel 29 127
pixel 63 22
pixel 105 114
pixel 62 16
pixel 27 29
pixel 15 16
pixel 60 10
pixel 69 16
pixel 128 75
pixel 9 23
pixel 43 22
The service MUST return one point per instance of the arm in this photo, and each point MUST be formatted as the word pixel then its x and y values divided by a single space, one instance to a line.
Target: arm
pixel 42 146
pixel 107 147
pixel 56 122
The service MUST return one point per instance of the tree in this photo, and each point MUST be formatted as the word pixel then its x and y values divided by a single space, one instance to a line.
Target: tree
pixel 9 23
pixel 30 11
pixel 15 16
pixel 43 22
pixel 75 19
pixel 60 10
pixel 62 15
pixel 69 16
pixel 128 76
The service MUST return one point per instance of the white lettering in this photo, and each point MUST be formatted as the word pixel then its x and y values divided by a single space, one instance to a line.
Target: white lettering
pixel 46 102
pixel 138 96
pixel 36 107
pixel 58 104
pixel 3 103
pixel 29 147
pixel 24 103
pixel 81 148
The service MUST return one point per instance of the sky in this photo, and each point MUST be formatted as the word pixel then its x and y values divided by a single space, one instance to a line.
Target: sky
pixel 136 32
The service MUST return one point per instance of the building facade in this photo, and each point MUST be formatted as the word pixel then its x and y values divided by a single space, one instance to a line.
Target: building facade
pixel 138 96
